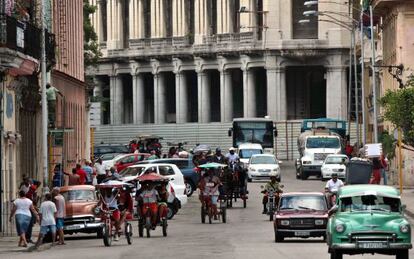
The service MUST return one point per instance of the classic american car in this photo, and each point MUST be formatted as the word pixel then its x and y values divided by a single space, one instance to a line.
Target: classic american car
pixel 368 219
pixel 81 215
pixel 301 215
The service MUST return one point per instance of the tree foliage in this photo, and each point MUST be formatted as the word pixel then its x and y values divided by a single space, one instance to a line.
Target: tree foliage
pixel 90 41
pixel 399 109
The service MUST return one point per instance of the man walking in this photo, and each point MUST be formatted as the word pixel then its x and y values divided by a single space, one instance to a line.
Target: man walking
pixel 100 171
pixel 60 214
pixel 89 172
pixel 51 92
pixel 81 173
pixel 47 219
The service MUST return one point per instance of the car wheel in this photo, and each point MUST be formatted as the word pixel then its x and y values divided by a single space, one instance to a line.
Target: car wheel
pixel 249 180
pixel 336 254
pixel 278 237
pixel 402 254
pixel 303 175
pixel 189 188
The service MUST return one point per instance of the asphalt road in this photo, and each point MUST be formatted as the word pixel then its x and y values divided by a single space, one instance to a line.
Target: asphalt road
pixel 247 234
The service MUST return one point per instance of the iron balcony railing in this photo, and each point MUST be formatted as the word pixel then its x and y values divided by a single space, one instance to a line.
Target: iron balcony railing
pixel 26 38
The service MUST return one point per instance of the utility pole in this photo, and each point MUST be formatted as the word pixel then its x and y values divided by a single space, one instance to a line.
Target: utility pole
pixel 364 128
pixel 44 103
pixel 374 77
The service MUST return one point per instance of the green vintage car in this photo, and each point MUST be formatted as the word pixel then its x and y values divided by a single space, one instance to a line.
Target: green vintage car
pixel 368 219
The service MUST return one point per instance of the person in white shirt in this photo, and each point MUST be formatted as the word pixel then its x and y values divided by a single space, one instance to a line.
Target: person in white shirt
pixel 232 157
pixel 100 171
pixel 47 219
pixel 332 187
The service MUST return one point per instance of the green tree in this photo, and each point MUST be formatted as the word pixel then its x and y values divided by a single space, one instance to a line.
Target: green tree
pixel 399 109
pixel 90 41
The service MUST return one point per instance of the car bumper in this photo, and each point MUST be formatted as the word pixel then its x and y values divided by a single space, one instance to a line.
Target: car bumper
pixel 302 232
pixel 261 175
pixel 328 174
pixel 82 227
pixel 312 169
pixel 355 246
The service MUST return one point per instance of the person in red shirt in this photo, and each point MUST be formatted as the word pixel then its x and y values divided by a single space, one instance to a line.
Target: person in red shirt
pixel 81 173
pixel 349 149
pixel 376 174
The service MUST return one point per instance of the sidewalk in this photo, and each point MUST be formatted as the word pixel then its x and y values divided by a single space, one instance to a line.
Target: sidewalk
pixel 8 244
pixel 407 198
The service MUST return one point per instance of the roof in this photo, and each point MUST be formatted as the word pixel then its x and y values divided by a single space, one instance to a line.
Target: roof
pixel 302 194
pixel 77 187
pixel 250 145
pixel 341 155
pixel 149 165
pixel 252 119
pixel 359 189
pixel 269 155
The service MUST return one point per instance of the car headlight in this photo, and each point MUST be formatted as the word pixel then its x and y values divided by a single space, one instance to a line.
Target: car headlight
pixel 307 162
pixel 319 222
pixel 284 222
pixel 252 169
pixel 340 228
pixel 405 228
pixel 275 170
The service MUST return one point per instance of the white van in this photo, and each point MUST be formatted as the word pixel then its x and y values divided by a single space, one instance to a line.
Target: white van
pixel 247 150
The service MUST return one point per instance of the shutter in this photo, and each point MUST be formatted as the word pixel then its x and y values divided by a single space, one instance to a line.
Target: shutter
pixel 306 30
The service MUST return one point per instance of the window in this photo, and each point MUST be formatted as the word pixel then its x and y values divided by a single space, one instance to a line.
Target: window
pixel 212 16
pixel 259 17
pixel 190 19
pixel 248 153
pixel 303 203
pixel 147 18
pixel 104 20
pixel 266 160
pixel 132 171
pixel 168 15
pixel 128 159
pixel 166 170
pixel 79 195
pixel 236 16
pixel 306 30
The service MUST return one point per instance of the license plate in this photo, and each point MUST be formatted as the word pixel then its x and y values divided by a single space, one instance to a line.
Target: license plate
pixel 302 233
pixel 73 227
pixel 373 245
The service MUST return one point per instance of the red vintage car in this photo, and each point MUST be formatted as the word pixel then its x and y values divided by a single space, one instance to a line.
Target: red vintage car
pixel 129 160
pixel 301 215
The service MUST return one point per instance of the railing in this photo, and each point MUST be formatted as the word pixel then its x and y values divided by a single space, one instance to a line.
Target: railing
pixel 25 38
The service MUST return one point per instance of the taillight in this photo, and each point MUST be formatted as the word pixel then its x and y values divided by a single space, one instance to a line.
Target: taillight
pixel 197 169
pixel 172 190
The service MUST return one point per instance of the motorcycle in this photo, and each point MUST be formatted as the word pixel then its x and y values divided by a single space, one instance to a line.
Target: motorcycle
pixel 273 198
pixel 332 195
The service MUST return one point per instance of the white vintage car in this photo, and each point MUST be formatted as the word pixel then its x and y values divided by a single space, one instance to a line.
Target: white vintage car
pixel 334 164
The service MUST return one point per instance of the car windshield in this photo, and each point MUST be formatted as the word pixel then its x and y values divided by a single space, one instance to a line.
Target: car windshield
pixel 323 143
pixel 267 160
pixel 248 153
pixel 109 156
pixel 132 171
pixel 111 149
pixel 79 195
pixel 369 203
pixel 302 202
pixel 335 160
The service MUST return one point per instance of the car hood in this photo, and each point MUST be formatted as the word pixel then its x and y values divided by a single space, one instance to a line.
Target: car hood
pixel 302 214
pixel 370 221
pixel 80 208
pixel 332 166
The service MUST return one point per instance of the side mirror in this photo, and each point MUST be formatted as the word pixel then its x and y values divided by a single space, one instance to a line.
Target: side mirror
pixel 275 132
pixel 229 132
pixel 280 162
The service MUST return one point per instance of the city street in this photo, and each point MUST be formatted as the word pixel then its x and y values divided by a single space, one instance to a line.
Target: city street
pixel 248 234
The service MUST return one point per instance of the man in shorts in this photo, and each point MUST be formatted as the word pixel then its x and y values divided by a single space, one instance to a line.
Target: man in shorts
pixel 47 219
pixel 60 214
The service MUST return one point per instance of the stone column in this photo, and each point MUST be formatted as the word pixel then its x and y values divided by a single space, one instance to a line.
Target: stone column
pixel 226 97
pixel 138 98
pixel 203 97
pixel 181 99
pixel 336 92
pixel 276 93
pixel 160 109
pixel 249 94
pixel 116 100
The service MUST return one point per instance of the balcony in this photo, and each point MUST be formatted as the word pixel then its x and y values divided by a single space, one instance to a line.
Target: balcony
pixel 20 42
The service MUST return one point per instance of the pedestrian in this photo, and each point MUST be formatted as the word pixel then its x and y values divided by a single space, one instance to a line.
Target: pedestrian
pixel 384 169
pixel 74 178
pixel 58 176
pixel 51 92
pixel 47 219
pixel 81 173
pixel 89 172
pixel 100 171
pixel 22 210
pixel 29 187
pixel 376 174
pixel 59 201
pixel 349 149
pixel 153 155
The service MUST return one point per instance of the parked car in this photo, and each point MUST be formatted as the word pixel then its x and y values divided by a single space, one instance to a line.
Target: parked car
pixel 131 159
pixel 191 176
pixel 262 165
pixel 368 219
pixel 301 215
pixel 109 160
pixel 170 171
pixel 81 202
pixel 334 164
pixel 103 149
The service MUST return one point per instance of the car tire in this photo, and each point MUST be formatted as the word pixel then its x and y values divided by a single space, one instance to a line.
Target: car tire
pixel 402 254
pixel 278 237
pixel 336 254
pixel 303 175
pixel 279 179
pixel 189 186
pixel 99 233
pixel 249 180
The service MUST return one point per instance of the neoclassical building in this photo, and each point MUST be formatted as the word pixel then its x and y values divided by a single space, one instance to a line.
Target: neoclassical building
pixel 182 61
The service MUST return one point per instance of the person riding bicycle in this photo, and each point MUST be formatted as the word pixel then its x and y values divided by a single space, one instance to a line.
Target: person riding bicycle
pixel 126 203
pixel 218 157
pixel 332 186
pixel 162 200
pixel 272 186
pixel 149 196
pixel 232 157
pixel 111 203
pixel 209 189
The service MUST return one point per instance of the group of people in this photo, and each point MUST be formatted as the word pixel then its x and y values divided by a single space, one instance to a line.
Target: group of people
pixel 216 157
pixel 50 215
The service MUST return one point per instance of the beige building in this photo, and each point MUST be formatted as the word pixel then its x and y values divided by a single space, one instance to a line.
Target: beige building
pixel 182 61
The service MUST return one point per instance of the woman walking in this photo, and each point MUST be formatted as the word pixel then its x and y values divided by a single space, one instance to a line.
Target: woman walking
pixel 21 210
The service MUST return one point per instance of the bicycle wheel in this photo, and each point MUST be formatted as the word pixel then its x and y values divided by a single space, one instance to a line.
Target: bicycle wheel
pixel 203 215
pixel 128 232
pixel 164 227
pixel 140 228
pixel 107 235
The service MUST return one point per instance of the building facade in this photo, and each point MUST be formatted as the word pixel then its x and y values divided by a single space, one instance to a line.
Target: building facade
pixel 204 61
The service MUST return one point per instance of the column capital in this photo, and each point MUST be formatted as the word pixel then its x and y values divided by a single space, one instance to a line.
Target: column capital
pixel 336 68
pixel 273 69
